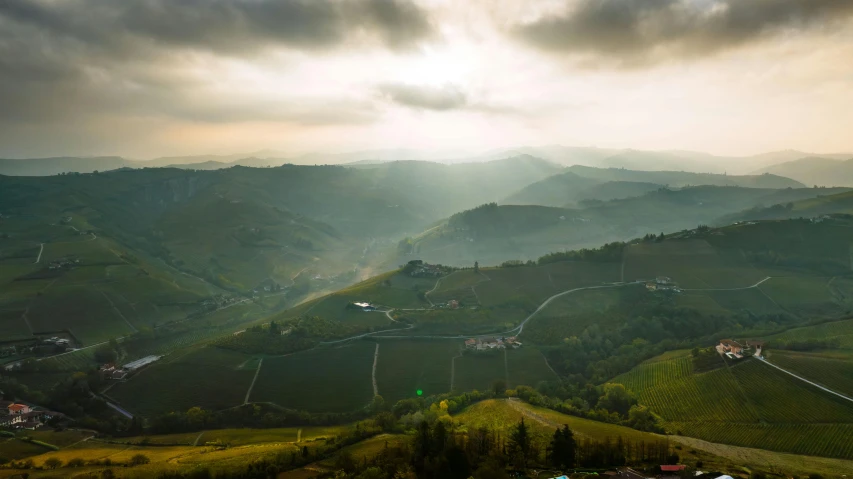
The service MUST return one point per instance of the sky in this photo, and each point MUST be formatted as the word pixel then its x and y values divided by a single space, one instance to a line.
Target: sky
pixel 146 78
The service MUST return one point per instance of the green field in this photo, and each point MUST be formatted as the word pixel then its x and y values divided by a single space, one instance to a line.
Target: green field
pixel 405 367
pixel 527 366
pixel 208 378
pixel 840 330
pixel 690 263
pixel 321 380
pixel 480 370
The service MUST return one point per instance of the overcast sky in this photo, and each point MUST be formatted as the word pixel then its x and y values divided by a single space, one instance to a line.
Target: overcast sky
pixel 143 78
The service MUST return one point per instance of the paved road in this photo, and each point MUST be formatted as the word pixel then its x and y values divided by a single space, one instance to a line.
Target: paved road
pixel 514 331
pixel 520 328
pixel 120 410
pixel 728 289
pixel 804 379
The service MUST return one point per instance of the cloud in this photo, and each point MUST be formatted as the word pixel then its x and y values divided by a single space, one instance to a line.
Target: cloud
pixel 224 26
pixel 447 97
pixel 634 32
pixel 81 59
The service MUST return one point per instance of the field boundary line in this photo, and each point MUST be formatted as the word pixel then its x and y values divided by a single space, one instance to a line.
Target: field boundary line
pixel 806 380
pixel 729 289
pixel 506 368
pixel 375 362
pixel 252 386
pixel 119 312
pixel 453 369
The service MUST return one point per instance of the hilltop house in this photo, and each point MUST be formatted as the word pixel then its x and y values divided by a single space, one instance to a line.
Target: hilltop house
pixel 730 348
pixel 364 306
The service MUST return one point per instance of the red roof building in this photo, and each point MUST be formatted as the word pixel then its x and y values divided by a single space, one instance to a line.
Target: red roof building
pixel 672 468
pixel 18 409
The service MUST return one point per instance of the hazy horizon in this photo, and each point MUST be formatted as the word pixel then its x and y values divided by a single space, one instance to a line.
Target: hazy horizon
pixel 136 79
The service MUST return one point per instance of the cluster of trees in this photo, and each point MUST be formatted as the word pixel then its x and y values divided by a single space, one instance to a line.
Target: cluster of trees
pixel 610 252
pixel 300 333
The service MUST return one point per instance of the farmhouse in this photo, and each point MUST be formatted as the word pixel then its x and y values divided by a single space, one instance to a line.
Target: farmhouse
pixel 453 304
pixel 16 409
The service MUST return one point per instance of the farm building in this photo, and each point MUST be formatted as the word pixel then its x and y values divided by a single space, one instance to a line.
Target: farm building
pixel 365 306
pixel 485 344
pixel 737 350
pixel 453 304
pixel 140 363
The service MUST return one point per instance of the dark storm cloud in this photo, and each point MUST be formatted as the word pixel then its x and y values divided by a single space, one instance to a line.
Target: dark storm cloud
pixel 447 97
pixel 229 26
pixel 84 58
pixel 642 31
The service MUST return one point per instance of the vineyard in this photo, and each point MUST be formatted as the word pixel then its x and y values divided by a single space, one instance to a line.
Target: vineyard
pixel 749 404
pixel 842 330
pixel 834 373
pixel 655 373
pixel 829 440
pixel 779 398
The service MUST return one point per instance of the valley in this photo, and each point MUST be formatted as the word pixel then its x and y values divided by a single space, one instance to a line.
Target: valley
pixel 257 315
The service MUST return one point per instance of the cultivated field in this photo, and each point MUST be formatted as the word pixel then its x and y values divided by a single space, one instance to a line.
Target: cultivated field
pixel 747 404
pixel 833 370
pixel 321 380
pixel 208 378
pixel 404 367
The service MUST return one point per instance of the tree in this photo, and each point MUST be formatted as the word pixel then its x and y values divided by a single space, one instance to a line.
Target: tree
pixel 476 267
pixel 616 399
pixel 139 460
pixel 519 444
pixel 499 387
pixel 52 463
pixel 105 354
pixel 563 449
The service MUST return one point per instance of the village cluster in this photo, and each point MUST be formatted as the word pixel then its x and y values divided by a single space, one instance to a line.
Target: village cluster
pixel 663 283
pixel 39 345
pixel 486 344
pixel 63 263
pixel 23 416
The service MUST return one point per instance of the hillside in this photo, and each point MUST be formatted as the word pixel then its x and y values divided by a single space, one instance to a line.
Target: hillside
pixel 816 171
pixel 568 189
pixel 828 201
pixel 496 233
pixel 683 178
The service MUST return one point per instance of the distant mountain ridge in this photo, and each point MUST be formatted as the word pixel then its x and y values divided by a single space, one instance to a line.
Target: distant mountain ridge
pixel 664 160
pixel 818 171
